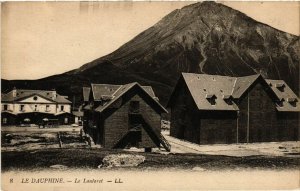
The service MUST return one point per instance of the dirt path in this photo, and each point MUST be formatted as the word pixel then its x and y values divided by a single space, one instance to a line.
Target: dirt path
pixel 289 148
pixel 181 147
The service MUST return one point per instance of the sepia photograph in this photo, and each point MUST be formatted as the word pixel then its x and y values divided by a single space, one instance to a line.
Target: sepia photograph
pixel 150 95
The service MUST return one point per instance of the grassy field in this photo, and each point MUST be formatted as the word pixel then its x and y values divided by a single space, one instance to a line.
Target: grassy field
pixel 34 149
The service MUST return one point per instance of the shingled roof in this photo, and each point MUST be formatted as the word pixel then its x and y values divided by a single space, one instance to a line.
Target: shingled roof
pixel 242 84
pixel 101 91
pixel 202 87
pixel 23 94
pixel 285 95
pixel 110 93
pixel 205 88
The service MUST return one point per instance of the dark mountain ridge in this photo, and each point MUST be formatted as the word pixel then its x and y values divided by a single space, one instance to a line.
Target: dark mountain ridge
pixel 205 37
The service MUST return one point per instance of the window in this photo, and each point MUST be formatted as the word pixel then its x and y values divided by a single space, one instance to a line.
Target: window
pixel 280 86
pixel 134 107
pixel 279 104
pixel 212 101
pixel 228 99
pixel 35 108
pixel 22 107
pixel 292 101
pixel 35 98
pixel 5 107
pixel 211 98
pixel 47 108
pixel 66 120
pixel 4 120
pixel 61 108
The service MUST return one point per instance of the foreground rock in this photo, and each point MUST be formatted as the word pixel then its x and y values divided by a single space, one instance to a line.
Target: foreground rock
pixel 122 160
pixel 198 169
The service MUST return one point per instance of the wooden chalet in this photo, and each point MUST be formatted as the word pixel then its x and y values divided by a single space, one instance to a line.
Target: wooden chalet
pixel 209 109
pixel 122 116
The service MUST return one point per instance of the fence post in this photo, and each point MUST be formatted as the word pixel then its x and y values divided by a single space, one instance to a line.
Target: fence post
pixel 59 140
pixel 81 135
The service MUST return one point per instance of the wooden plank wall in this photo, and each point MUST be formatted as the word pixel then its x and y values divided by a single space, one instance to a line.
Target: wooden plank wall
pixel 265 122
pixel 217 127
pixel 117 124
pixel 184 119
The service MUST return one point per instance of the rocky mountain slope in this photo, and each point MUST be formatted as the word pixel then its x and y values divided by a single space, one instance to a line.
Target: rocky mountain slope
pixel 204 37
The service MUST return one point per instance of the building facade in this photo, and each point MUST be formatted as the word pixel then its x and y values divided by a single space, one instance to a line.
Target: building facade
pixel 121 116
pixel 210 109
pixel 78 117
pixel 21 106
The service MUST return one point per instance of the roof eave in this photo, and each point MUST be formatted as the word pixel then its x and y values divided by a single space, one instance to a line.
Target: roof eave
pixel 279 109
pixel 100 110
pixel 215 109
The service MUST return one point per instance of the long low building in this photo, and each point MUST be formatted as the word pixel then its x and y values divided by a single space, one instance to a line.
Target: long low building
pixel 209 109
pixel 20 106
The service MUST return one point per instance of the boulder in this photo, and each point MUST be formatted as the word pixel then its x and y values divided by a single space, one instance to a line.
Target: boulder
pixel 58 166
pixel 122 160
pixel 196 168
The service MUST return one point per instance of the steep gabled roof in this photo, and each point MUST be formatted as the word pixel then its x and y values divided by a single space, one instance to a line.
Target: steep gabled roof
pixel 108 91
pixel 114 92
pixel 203 87
pixel 86 93
pixel 103 90
pixel 286 96
pixel 212 92
pixel 23 94
pixel 149 90
pixel 242 84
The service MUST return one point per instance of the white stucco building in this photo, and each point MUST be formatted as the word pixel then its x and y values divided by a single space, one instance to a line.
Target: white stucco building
pixel 34 106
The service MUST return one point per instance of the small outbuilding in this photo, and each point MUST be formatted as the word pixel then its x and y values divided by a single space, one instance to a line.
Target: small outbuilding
pixel 78 115
pixel 122 116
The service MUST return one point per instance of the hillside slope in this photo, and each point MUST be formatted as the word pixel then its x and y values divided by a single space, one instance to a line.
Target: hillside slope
pixel 203 38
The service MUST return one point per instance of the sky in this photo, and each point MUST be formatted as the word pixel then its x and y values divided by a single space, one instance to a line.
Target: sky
pixel 39 39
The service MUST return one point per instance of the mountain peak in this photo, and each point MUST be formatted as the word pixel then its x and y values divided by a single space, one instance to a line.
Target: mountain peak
pixel 205 37
pixel 208 37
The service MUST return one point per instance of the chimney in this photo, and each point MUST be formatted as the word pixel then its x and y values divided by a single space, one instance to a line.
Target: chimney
pixel 14 92
pixel 53 94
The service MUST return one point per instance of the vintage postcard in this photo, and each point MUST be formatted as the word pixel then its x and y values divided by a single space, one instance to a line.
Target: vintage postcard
pixel 133 95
